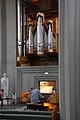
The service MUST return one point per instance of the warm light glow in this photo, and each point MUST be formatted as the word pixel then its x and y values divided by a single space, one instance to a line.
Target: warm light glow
pixel 49 105
pixel 46 89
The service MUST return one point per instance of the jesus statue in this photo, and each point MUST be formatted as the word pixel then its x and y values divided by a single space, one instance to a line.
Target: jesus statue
pixel 5 85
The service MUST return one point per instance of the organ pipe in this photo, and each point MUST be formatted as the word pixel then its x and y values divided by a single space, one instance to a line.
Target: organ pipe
pixel 30 43
pixel 23 32
pixel 19 28
pixel 40 42
pixel 50 36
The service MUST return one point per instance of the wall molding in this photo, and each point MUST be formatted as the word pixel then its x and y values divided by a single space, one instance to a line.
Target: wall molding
pixel 38 73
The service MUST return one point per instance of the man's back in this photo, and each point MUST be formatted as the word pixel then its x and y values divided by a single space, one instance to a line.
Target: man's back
pixel 35 96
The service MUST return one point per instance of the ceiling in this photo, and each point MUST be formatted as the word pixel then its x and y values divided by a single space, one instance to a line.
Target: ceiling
pixel 41 5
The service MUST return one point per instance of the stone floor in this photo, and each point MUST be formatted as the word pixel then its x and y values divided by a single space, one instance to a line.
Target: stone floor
pixel 19 107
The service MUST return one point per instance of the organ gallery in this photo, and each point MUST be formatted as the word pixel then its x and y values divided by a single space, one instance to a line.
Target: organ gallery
pixel 37 29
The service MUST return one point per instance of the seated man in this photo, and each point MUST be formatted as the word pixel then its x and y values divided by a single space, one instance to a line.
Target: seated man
pixel 36 96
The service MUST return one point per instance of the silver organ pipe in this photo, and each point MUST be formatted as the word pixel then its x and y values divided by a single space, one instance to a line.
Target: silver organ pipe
pixel 19 28
pixel 40 43
pixel 30 41
pixel 27 44
pixel 50 37
pixel 23 32
pixel 35 41
pixel 45 40
pixel 54 42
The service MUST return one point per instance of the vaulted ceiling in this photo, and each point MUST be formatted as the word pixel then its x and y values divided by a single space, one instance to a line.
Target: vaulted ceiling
pixel 41 5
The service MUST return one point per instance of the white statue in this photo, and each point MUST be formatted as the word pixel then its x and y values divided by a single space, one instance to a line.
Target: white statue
pixel 5 84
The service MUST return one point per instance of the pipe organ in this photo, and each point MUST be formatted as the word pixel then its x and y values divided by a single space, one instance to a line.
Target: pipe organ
pixel 40 40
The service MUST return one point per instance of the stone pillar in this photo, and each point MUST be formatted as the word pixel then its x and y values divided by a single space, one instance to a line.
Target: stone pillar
pixel 11 43
pixel 69 59
pixel 2 37
pixel 8 40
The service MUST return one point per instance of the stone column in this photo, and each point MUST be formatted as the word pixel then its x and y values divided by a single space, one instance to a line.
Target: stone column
pixel 2 37
pixel 69 59
pixel 11 43
pixel 19 41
